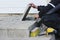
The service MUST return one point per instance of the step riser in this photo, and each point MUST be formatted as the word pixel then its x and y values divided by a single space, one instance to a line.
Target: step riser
pixel 17 33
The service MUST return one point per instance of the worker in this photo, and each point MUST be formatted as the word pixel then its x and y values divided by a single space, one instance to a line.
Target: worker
pixel 49 20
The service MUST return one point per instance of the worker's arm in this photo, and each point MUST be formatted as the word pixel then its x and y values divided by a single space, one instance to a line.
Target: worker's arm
pixel 50 5
pixel 45 9
pixel 42 9
pixel 55 10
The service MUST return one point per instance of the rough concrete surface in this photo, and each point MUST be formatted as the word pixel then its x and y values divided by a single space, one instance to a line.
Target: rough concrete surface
pixel 9 31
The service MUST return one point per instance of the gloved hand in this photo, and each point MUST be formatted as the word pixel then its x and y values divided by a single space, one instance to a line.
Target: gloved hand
pixel 50 30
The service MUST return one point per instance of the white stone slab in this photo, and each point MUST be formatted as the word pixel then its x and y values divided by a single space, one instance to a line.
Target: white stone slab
pixel 25 12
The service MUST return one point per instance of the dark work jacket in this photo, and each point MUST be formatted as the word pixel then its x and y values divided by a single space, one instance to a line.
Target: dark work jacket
pixel 44 9
pixel 50 20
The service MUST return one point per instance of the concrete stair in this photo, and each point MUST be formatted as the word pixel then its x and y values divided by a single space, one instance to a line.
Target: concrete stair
pixel 11 28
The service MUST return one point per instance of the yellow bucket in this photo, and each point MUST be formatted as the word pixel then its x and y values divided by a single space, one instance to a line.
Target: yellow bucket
pixel 35 32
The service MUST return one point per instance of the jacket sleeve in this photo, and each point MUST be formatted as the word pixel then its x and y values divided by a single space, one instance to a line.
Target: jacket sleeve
pixel 44 9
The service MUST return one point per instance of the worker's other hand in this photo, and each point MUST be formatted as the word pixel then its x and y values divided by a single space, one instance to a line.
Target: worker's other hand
pixel 36 16
pixel 33 5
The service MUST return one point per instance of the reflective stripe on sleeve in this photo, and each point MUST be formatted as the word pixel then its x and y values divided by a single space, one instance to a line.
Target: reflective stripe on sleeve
pixel 52 5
